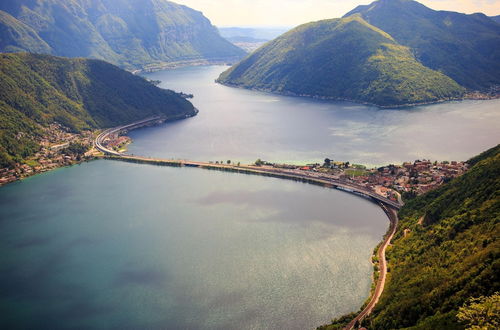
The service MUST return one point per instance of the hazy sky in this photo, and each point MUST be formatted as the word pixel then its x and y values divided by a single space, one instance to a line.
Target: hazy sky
pixel 294 12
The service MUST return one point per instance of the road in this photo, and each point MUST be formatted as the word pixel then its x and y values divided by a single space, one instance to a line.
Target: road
pixel 312 177
pixel 393 217
pixel 390 207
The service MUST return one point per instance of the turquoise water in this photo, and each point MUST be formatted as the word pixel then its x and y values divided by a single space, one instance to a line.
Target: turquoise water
pixel 111 245
pixel 244 125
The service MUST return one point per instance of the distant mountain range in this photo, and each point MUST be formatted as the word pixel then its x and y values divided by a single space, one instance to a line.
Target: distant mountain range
pixel 251 38
pixel 254 33
pixel 130 33
pixel 388 53
pixel 80 94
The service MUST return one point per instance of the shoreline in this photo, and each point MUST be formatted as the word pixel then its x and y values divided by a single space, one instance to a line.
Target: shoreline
pixel 184 63
pixel 466 97
pixel 380 282
pixel 91 154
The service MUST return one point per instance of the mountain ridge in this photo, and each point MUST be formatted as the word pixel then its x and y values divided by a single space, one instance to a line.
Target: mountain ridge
pixel 464 47
pixel 311 60
pixel 79 94
pixel 133 34
pixel 445 252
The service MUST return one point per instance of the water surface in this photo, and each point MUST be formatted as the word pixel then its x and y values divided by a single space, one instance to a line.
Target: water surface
pixel 244 125
pixel 111 245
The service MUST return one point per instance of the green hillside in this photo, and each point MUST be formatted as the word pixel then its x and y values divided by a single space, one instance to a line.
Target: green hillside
pixel 464 47
pixel 445 257
pixel 129 33
pixel 341 59
pixel 78 93
pixel 450 254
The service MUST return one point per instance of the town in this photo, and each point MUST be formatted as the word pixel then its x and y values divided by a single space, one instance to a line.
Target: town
pixel 396 182
pixel 60 147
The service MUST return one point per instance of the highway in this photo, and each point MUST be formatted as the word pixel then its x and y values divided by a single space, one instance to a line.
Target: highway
pixel 389 206
pixel 98 142
pixel 298 175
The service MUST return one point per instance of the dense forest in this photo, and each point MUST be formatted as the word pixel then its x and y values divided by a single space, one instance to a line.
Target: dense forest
pixel 79 94
pixel 464 47
pixel 388 53
pixel 342 59
pixel 444 258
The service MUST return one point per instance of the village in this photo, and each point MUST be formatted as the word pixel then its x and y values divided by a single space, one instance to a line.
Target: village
pixel 58 147
pixel 396 182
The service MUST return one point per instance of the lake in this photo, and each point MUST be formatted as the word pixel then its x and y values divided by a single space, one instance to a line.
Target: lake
pixel 111 245
pixel 243 125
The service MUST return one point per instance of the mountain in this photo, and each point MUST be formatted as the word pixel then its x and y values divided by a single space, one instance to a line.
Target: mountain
pixel 130 33
pixel 341 59
pixel 449 254
pixel 464 47
pixel 79 94
pixel 445 252
pixel 496 18
pixel 257 33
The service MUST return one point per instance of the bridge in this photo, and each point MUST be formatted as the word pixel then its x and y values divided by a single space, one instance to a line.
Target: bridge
pixel 297 175
pixel 389 206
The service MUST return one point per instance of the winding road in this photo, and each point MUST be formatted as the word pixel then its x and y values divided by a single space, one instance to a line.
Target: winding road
pixel 390 207
pixel 393 217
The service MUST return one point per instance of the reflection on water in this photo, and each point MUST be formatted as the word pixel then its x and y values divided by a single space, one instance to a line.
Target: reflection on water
pixel 244 125
pixel 126 246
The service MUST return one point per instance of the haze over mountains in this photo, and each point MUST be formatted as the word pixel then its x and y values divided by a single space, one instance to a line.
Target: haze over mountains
pixel 389 53
pixel 130 33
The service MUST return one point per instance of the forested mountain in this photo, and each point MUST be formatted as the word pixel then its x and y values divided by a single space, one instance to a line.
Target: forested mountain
pixel 341 59
pixel 130 33
pixel 464 47
pixel 444 260
pixel 496 18
pixel 79 94
pixel 449 254
pixel 391 52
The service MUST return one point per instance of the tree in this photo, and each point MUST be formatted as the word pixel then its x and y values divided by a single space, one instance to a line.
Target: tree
pixel 481 313
pixel 259 162
pixel 228 162
pixel 328 162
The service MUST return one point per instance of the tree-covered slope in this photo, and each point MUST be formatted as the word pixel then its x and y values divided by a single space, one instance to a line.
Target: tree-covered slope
pixel 341 59
pixel 445 252
pixel 78 93
pixel 129 33
pixel 464 47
